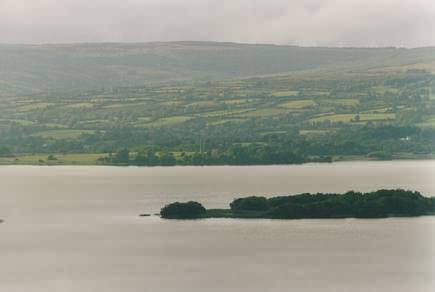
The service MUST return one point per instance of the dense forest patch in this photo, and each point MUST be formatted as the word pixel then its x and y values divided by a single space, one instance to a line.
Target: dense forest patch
pixel 379 204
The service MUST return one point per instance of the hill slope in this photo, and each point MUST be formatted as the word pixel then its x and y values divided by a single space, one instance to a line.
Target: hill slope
pixel 269 120
pixel 40 68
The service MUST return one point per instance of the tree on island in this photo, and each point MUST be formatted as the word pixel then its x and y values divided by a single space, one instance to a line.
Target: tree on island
pixel 379 204
pixel 187 210
pixel 250 204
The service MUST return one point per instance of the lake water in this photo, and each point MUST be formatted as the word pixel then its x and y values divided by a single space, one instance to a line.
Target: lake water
pixel 75 228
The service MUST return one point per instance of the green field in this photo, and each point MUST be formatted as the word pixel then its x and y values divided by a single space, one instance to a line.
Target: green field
pixel 298 104
pixel 265 112
pixel 62 134
pixel 60 159
pixel 355 117
pixel 165 122
pixel 343 101
pixel 285 93
pixel 428 123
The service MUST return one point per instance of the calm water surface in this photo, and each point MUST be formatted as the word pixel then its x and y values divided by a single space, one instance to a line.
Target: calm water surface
pixel 76 229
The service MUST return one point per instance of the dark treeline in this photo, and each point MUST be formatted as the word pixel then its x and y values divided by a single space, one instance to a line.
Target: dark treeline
pixel 187 137
pixel 347 140
pixel 379 204
pixel 229 145
pixel 188 210
pixel 382 203
pixel 376 142
pixel 235 155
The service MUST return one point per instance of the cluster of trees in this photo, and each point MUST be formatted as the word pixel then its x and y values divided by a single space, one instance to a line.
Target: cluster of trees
pixel 235 155
pixel 378 204
pixel 376 142
pixel 148 158
pixel 240 144
pixel 382 203
pixel 187 210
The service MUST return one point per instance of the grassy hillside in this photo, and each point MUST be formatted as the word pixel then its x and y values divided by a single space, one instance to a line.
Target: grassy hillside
pixel 276 119
pixel 28 69
pixel 213 103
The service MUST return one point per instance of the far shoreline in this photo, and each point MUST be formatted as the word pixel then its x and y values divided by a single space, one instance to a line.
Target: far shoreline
pixel 10 161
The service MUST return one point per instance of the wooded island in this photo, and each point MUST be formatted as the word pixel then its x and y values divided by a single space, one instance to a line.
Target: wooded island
pixel 379 204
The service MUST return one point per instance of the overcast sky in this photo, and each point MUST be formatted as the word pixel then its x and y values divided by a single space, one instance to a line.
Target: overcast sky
pixel 407 23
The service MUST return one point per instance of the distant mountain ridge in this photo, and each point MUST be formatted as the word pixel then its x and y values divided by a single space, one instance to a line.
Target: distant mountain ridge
pixel 26 69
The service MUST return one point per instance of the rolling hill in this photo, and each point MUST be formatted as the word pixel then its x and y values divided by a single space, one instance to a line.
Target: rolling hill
pixel 28 69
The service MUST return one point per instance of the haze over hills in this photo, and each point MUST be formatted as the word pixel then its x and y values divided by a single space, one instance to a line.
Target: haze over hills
pixel 27 69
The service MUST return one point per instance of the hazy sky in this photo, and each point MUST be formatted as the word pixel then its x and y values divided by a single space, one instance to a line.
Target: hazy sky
pixel 299 22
